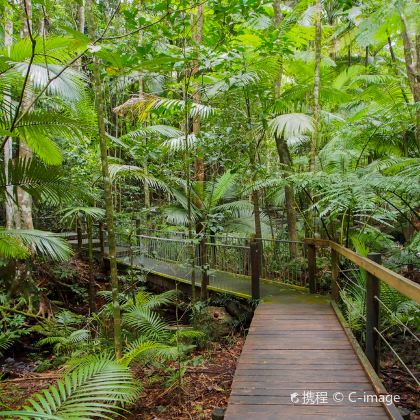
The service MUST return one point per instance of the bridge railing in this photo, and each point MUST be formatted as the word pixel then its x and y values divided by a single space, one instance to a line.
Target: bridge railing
pixel 381 307
pixel 167 249
pixel 276 260
pixel 281 260
pixel 284 261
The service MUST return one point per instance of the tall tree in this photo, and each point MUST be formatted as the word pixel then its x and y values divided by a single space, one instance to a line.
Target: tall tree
pixel 283 150
pixel 146 188
pixel 24 199
pixel 411 44
pixel 99 103
pixel 12 213
pixel 317 83
pixel 197 22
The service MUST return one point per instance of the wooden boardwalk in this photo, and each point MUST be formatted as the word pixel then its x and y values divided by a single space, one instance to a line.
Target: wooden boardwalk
pixel 302 349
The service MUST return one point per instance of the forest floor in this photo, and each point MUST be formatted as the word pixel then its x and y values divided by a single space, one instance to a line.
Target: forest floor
pixel 205 385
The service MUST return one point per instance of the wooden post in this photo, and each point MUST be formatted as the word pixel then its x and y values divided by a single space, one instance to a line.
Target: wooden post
pixel 254 249
pixel 79 232
pixel 101 241
pixel 372 349
pixel 92 289
pixel 204 268
pixel 311 249
pixel 138 231
pixel 334 274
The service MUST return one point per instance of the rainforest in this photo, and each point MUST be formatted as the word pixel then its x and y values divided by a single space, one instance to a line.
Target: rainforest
pixel 209 209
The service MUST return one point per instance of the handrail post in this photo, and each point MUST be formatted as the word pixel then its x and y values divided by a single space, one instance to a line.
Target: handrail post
pixel 79 231
pixel 138 230
pixel 254 248
pixel 311 250
pixel 204 268
pixel 101 240
pixel 372 349
pixel 334 274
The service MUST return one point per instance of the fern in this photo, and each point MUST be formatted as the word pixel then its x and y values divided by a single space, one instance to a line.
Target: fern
pixel 145 349
pixel 66 342
pixel 95 390
pixel 147 323
pixel 7 340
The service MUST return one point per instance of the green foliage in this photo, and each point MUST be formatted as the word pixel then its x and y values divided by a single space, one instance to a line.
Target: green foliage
pixel 19 243
pixel 95 390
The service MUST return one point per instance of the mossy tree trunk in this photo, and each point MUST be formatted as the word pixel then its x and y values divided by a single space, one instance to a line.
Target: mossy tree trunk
pixel 99 103
pixel 283 151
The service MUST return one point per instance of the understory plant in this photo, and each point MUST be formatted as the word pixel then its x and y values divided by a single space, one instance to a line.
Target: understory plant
pixel 99 388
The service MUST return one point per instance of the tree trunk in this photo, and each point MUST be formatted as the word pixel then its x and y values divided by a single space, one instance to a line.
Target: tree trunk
pixel 81 28
pixel 146 188
pixel 12 213
pixel 395 68
pixel 92 289
pixel 24 199
pixel 284 154
pixel 107 189
pixel 289 195
pixel 197 36
pixel 317 82
pixel 412 63
pixel 81 16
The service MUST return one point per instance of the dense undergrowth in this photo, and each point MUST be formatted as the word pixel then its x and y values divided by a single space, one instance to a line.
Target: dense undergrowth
pixel 165 337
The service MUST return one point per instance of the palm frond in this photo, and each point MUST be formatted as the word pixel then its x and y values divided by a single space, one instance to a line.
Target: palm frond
pixel 39 129
pixel 290 125
pixel 146 349
pixel 42 182
pixel 96 390
pixel 141 107
pixel 19 243
pixel 69 85
pixel 221 188
pixel 181 143
pixel 136 172
pixel 148 323
pixel 162 130
pixel 151 301
pixel 70 214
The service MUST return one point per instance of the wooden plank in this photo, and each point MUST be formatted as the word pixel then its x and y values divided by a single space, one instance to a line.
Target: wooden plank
pixel 257 386
pixel 285 400
pixel 284 317
pixel 294 309
pixel 303 376
pixel 290 353
pixel 294 325
pixel 297 366
pixel 325 345
pixel 285 334
pixel 276 412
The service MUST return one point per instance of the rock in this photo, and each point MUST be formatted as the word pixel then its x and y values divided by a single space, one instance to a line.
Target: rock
pixel 240 311
pixel 222 320
pixel 234 308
